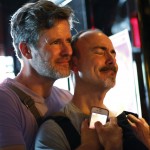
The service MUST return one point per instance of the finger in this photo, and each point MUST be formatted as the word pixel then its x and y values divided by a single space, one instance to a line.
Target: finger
pixel 144 124
pixel 113 120
pixel 98 127
pixel 143 120
pixel 132 124
pixel 132 118
pixel 98 124
pixel 99 131
pixel 85 124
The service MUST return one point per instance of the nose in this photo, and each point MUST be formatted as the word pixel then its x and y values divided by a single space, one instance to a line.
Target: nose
pixel 110 59
pixel 66 49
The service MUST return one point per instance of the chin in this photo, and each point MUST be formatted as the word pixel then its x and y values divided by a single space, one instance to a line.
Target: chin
pixel 64 74
pixel 110 83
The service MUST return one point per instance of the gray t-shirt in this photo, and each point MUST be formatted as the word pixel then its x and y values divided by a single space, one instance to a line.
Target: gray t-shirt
pixel 17 124
pixel 51 137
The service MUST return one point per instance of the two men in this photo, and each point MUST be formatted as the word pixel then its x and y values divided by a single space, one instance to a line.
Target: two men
pixel 95 68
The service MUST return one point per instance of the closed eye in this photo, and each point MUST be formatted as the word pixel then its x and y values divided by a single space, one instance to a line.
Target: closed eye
pixel 113 52
pixel 99 50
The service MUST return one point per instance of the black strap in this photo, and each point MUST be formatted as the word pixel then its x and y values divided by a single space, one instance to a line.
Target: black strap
pixel 71 133
pixel 27 101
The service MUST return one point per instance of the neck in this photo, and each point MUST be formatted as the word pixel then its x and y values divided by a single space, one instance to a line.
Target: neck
pixel 86 98
pixel 38 84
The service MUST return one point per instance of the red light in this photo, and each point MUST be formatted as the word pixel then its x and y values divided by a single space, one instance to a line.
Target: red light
pixel 135 32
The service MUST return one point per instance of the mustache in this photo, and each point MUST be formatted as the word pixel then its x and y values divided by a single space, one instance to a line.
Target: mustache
pixel 106 68
pixel 65 58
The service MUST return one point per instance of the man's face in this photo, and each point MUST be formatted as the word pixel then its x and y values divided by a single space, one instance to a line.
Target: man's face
pixel 52 56
pixel 97 60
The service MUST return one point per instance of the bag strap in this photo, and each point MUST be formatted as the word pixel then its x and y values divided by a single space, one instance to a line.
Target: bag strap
pixel 69 130
pixel 28 102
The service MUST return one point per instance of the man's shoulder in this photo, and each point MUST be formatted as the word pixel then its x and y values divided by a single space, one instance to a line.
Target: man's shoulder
pixel 4 88
pixel 4 84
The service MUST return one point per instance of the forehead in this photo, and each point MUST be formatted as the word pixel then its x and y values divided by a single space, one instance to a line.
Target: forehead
pixel 89 40
pixel 60 29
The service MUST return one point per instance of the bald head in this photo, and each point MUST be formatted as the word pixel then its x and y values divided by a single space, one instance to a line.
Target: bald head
pixel 84 40
pixel 89 32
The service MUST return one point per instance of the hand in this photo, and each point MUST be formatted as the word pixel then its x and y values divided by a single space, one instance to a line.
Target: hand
pixel 110 134
pixel 141 129
pixel 89 138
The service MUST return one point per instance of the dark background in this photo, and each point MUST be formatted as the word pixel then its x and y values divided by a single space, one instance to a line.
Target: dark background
pixel 111 16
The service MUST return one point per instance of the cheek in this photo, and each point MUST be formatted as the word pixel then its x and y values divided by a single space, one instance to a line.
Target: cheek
pixel 43 56
pixel 83 65
pixel 48 53
pixel 88 69
pixel 97 62
pixel 89 64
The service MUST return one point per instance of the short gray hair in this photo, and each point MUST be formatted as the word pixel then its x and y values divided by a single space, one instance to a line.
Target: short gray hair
pixel 29 20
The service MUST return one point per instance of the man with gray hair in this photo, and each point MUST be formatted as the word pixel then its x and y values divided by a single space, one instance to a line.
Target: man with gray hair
pixel 42 42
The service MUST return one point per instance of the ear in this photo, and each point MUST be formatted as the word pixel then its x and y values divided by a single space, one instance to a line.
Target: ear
pixel 25 50
pixel 74 64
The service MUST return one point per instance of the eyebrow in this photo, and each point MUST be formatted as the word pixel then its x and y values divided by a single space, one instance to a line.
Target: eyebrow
pixel 101 47
pixel 47 40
